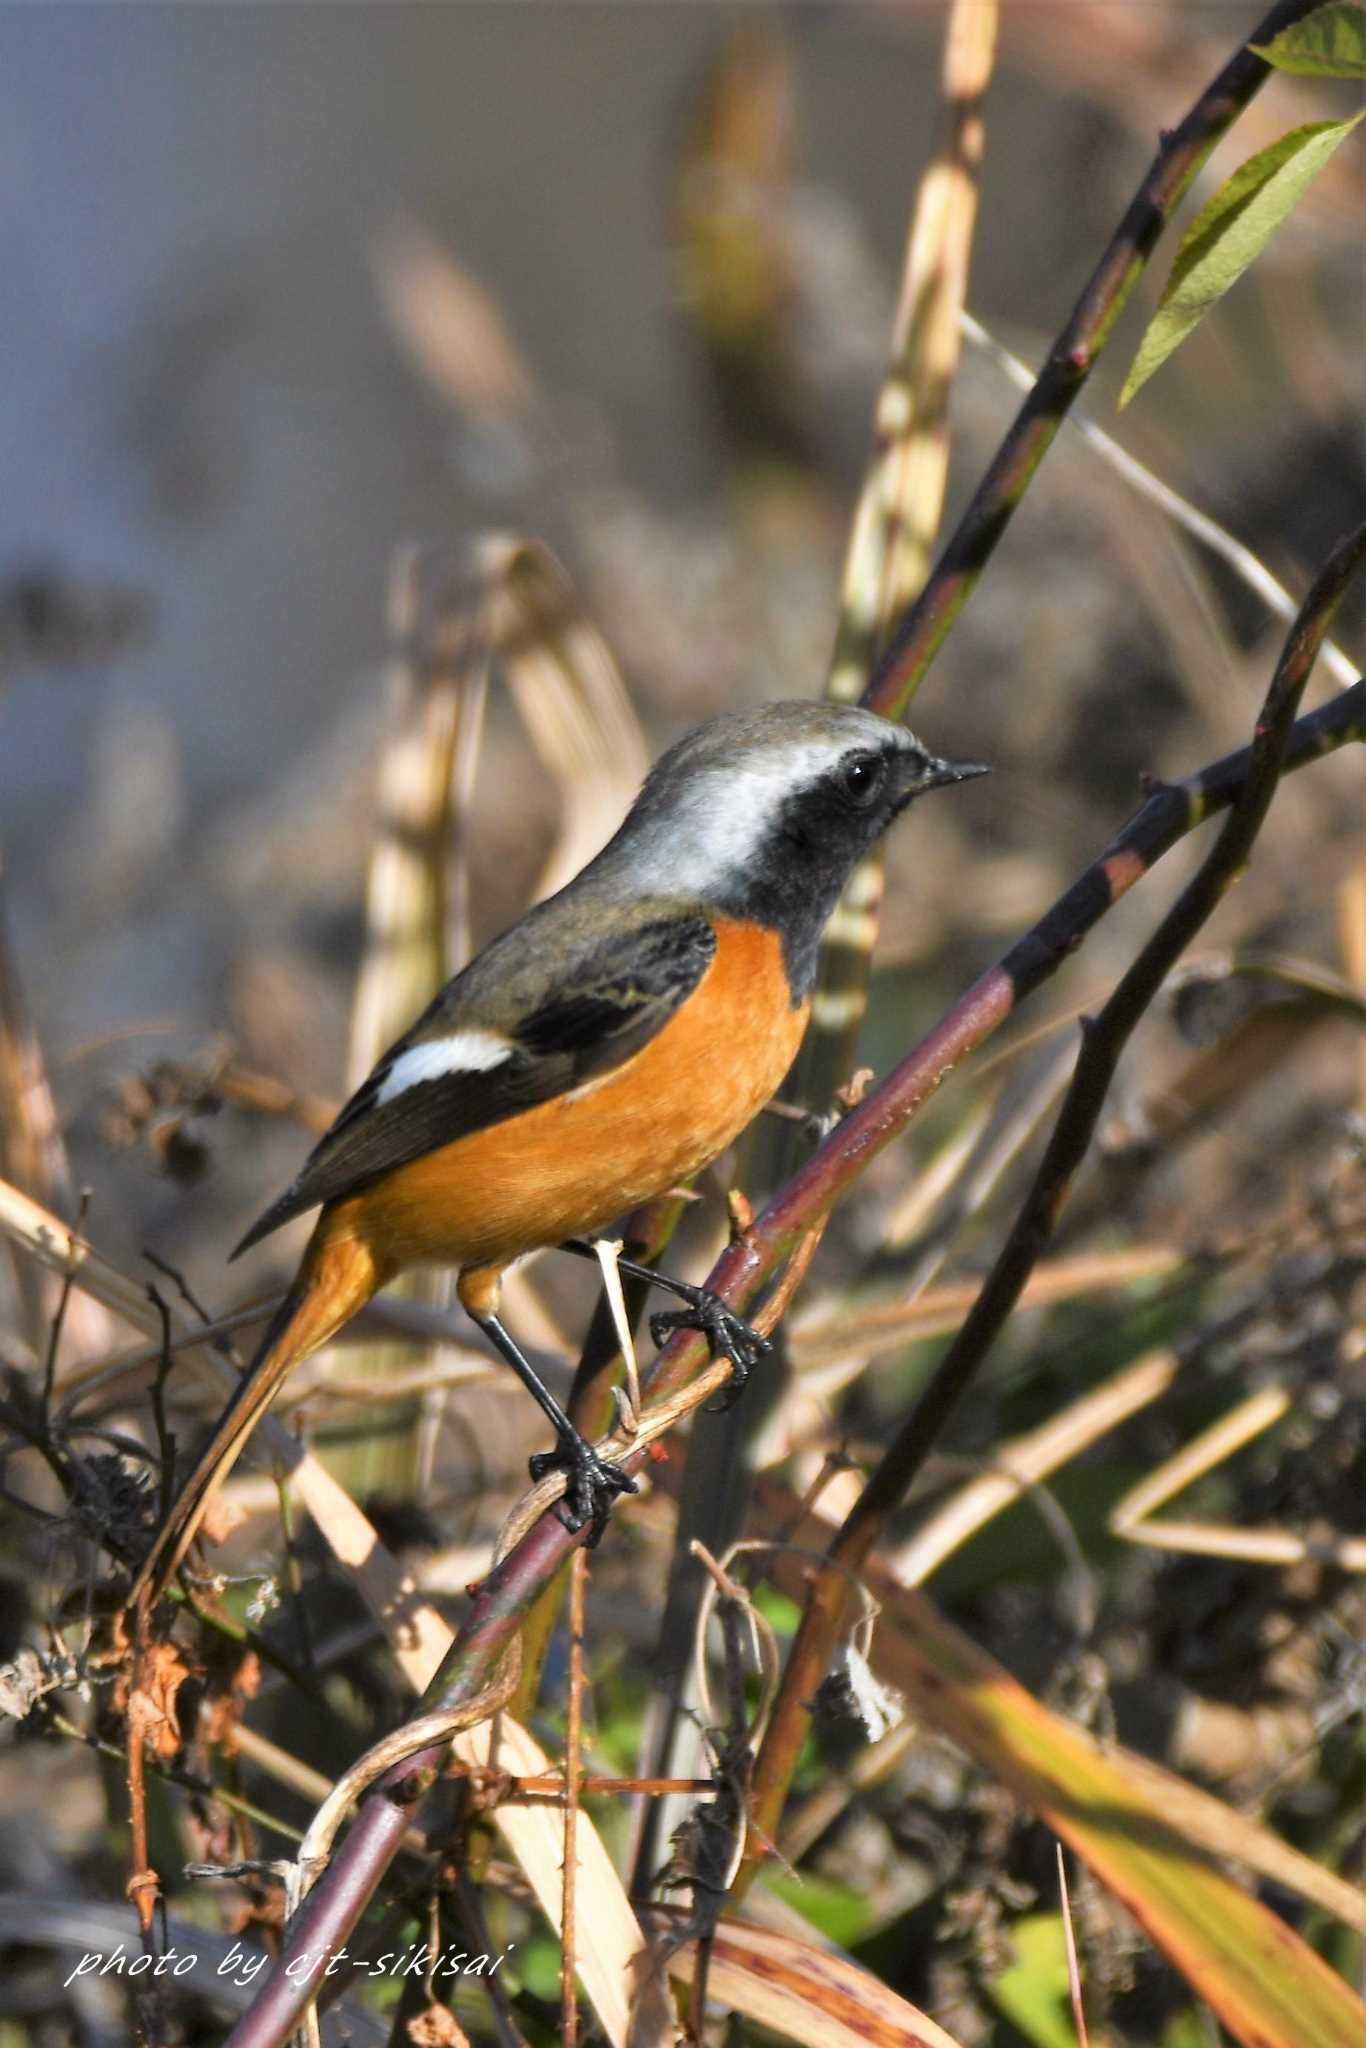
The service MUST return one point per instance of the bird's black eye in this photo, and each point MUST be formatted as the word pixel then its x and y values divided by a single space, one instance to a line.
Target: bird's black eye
pixel 861 777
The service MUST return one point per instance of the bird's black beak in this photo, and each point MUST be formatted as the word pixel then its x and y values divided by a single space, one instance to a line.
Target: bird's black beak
pixel 938 774
pixel 922 770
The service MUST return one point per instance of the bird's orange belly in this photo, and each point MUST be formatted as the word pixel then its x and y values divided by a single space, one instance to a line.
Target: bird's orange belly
pixel 570 1166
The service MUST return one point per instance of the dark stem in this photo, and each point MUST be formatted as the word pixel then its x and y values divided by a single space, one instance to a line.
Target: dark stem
pixel 1068 364
pixel 497 1613
pixel 1103 1042
pixel 54 1340
pixel 166 1443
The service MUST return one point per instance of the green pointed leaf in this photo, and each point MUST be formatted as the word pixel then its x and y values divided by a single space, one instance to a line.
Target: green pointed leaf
pixel 1032 1991
pixel 1263 1982
pixel 1228 233
pixel 1329 43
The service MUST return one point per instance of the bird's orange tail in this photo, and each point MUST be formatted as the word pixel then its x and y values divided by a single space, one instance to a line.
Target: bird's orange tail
pixel 337 1275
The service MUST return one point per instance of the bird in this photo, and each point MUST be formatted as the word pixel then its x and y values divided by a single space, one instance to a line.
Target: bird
pixel 607 1046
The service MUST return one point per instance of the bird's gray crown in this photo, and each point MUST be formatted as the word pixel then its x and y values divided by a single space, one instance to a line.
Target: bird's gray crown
pixel 761 816
pixel 712 803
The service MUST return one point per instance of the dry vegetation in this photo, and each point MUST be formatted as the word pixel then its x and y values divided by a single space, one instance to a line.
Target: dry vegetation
pixel 1137 1502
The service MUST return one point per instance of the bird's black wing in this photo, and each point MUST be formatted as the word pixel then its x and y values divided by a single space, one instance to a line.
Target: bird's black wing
pixel 601 1009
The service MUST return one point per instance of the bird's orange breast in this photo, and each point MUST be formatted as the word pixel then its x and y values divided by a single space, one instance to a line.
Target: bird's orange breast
pixel 568 1167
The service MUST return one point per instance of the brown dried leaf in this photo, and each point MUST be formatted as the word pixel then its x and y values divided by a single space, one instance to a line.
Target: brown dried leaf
pixel 221 1520
pixel 228 1692
pixel 802 1992
pixel 437 2027
pixel 150 1706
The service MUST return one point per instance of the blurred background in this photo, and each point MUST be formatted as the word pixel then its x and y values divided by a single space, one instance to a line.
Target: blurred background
pixel 288 288
pixel 292 292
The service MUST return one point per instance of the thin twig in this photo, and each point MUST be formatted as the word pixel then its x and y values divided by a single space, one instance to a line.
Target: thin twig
pixel 183 1288
pixel 573 1748
pixel 709 1846
pixel 1068 364
pixel 507 1593
pixel 143 1887
pixel 166 1443
pixel 553 1785
pixel 1073 1967
pixel 901 501
pixel 1102 1044
pixel 198 1788
pixel 416 1752
pixel 294 1573
pixel 720 1586
pixel 1249 568
pixel 469 1907
pixel 59 1313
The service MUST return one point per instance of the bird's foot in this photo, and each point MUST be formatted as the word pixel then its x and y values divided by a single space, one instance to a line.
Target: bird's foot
pixel 729 1335
pixel 592 1485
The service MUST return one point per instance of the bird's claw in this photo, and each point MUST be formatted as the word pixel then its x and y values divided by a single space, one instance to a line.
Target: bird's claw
pixel 729 1335
pixel 591 1487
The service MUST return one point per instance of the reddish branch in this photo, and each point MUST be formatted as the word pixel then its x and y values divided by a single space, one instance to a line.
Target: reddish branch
pixel 1104 1040
pixel 499 1610
pixel 334 1906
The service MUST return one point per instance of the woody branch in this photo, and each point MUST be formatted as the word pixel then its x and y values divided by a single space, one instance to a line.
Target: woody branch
pixel 1103 1042
pixel 1069 362
pixel 1171 812
pixel 503 1600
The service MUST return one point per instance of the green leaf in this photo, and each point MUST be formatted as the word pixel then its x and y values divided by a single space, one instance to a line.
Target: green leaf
pixel 837 1911
pixel 1329 43
pixel 780 1612
pixel 1186 2030
pixel 1033 1992
pixel 1229 232
pixel 538 1966
pixel 1261 1979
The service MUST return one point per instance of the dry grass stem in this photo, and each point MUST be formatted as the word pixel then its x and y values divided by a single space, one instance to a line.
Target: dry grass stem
pixel 764 1643
pixel 1026 1460
pixel 903 491
pixel 1352 931
pixel 608 1251
pixel 424 1731
pixel 916 1632
pixel 1073 1966
pixel 863 1333
pixel 1176 1148
pixel 452 328
pixel 1147 484
pixel 1132 1517
pixel 573 1746
pixel 568 690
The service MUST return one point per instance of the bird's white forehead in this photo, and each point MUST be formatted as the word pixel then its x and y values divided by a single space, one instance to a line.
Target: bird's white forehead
pixel 720 816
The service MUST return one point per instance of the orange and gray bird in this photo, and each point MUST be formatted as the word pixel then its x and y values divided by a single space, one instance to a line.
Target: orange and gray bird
pixel 605 1048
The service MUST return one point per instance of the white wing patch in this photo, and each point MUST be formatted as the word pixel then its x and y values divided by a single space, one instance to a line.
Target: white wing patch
pixel 464 1052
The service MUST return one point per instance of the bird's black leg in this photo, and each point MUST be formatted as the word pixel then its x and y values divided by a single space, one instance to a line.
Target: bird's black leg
pixel 593 1483
pixel 729 1335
